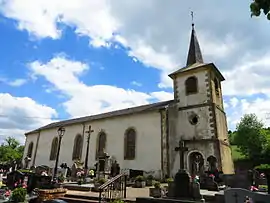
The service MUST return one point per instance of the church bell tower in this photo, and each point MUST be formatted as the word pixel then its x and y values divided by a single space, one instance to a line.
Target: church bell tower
pixel 198 118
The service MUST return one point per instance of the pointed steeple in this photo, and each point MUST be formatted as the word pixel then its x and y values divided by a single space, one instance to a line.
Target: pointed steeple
pixel 194 52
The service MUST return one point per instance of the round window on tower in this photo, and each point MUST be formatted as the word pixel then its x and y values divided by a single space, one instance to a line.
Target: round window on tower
pixel 193 119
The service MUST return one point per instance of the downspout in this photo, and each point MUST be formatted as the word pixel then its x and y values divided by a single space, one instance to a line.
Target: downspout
pixel 34 159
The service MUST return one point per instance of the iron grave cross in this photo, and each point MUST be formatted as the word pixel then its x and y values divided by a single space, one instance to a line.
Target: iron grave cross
pixel 87 149
pixel 181 149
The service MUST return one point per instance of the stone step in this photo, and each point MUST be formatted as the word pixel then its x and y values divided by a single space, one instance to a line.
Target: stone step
pixel 83 198
pixel 79 200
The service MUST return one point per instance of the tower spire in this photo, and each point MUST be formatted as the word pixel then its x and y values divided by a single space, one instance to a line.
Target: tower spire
pixel 194 52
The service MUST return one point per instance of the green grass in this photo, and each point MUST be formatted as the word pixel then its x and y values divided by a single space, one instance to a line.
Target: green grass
pixel 236 154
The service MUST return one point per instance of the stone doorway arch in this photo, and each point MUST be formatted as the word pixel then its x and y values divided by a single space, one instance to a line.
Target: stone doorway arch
pixel 196 163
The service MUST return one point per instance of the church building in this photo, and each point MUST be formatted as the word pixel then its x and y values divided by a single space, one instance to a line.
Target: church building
pixel 154 137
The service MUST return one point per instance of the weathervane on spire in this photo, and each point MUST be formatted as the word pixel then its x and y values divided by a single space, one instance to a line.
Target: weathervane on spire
pixel 192 18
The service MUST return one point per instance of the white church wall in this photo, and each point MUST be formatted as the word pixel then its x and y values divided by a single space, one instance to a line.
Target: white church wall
pixel 28 140
pixel 148 141
pixel 45 141
pixel 193 99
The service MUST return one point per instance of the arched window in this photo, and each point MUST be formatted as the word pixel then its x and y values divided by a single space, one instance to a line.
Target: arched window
pixel 77 147
pixel 30 149
pixel 130 144
pixel 191 85
pixel 101 143
pixel 54 147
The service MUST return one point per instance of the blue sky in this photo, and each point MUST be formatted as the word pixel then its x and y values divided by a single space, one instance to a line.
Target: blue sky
pixel 63 59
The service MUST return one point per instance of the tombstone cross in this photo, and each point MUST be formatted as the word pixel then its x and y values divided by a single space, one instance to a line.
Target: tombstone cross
pixel 87 149
pixel 181 149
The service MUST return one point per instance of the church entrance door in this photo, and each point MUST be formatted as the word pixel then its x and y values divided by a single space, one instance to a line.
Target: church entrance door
pixel 196 163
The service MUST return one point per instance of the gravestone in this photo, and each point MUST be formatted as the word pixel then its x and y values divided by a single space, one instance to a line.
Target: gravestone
pixel 195 190
pixel 73 174
pixel 210 184
pixel 62 172
pixel 239 195
pixel 182 184
pixel 115 169
pixel 103 165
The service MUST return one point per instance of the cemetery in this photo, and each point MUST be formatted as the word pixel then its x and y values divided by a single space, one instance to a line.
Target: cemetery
pixel 107 182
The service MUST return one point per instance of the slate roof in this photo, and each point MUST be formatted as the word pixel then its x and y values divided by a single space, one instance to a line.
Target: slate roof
pixel 198 65
pixel 122 112
pixel 194 52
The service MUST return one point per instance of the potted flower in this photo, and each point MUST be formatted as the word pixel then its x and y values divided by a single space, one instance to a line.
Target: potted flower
pixel 149 180
pixel 156 191
pixel 140 182
pixel 18 195
pixel 80 177
pixel 61 178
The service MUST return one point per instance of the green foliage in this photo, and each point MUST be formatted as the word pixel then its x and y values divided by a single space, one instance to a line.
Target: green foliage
pixel 157 184
pixel 117 201
pixel 263 167
pixel 169 180
pixel 231 136
pixel 101 181
pixel 140 178
pixel 236 153
pixel 251 138
pixel 257 6
pixel 150 177
pixel 11 150
pixel 19 194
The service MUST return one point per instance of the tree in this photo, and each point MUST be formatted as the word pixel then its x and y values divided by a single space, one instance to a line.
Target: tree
pixel 11 150
pixel 231 136
pixel 251 137
pixel 260 5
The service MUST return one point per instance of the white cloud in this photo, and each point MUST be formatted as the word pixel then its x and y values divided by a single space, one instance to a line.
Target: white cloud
pixel 162 96
pixel 14 83
pixel 17 82
pixel 238 107
pixel 136 83
pixel 79 97
pixel 21 114
pixel 251 76
pixel 153 37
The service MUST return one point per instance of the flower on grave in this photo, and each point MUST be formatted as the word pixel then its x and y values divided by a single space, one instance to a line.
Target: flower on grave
pixel 262 175
pixel 211 175
pixel 253 188
pixel 24 185
pixel 44 173
pixel 91 172
pixel 80 173
pixel 7 193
